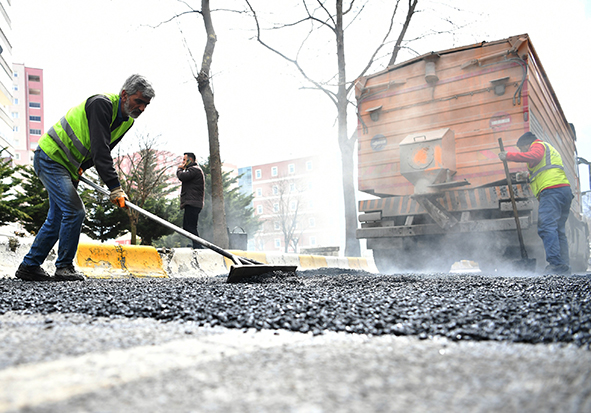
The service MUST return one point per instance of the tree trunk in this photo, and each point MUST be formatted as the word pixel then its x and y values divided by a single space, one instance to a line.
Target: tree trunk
pixel 133 218
pixel 220 232
pixel 352 247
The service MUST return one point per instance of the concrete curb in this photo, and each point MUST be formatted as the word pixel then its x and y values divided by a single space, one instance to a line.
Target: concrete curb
pixel 186 262
pixel 110 261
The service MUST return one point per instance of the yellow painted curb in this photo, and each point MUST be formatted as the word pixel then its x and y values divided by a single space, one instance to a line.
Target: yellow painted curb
pixel 305 262
pixel 358 263
pixel 135 261
pixel 312 261
pixel 119 261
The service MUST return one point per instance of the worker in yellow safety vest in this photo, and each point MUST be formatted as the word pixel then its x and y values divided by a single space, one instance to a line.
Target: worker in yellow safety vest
pixel 84 137
pixel 552 188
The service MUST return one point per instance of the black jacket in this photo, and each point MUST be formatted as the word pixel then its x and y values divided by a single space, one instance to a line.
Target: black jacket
pixel 99 111
pixel 193 185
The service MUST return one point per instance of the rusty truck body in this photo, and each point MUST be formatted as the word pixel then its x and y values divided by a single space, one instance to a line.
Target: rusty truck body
pixel 428 151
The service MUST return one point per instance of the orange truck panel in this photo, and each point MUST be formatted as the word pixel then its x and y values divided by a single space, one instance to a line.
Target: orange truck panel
pixel 482 94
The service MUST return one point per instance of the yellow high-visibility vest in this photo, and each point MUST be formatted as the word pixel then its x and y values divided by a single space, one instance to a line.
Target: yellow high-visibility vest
pixel 548 172
pixel 68 141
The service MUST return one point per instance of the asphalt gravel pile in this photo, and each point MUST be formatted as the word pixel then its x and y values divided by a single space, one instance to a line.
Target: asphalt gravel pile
pixel 547 309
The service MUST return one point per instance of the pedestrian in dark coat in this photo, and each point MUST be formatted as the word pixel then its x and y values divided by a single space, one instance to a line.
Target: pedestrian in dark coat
pixel 192 193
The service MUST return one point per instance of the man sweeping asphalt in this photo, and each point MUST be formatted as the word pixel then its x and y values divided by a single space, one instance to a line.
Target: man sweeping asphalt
pixel 84 137
pixel 552 188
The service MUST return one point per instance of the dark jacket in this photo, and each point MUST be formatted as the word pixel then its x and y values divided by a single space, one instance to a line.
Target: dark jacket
pixel 99 111
pixel 193 185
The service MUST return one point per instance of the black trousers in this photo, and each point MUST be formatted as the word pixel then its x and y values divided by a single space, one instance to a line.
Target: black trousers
pixel 190 222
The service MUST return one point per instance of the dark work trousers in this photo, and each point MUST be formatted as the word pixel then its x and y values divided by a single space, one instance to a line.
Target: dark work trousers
pixel 190 220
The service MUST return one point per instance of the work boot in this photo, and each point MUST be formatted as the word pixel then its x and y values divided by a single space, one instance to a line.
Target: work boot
pixel 32 273
pixel 68 273
pixel 552 269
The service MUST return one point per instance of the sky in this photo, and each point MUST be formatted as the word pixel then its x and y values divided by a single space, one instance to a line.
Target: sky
pixel 267 111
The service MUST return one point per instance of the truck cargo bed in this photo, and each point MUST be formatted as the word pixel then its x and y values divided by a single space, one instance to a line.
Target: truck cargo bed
pixel 428 147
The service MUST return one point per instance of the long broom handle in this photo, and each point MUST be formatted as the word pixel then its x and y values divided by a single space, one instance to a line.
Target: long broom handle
pixel 235 259
pixel 512 195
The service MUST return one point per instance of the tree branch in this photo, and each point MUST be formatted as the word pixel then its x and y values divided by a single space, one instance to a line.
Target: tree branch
pixel 372 58
pixel 411 12
pixel 320 3
pixel 351 7
pixel 329 93
pixel 175 17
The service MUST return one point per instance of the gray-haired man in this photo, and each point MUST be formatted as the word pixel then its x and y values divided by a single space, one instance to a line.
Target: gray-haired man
pixel 84 137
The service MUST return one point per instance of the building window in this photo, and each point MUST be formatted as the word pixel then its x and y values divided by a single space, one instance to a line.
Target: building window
pixel 309 166
pixel 34 104
pixel 15 128
pixel 35 118
pixel 35 132
pixel 259 192
pixel 17 156
pixel 277 242
pixel 14 115
pixel 291 168
pixel 15 87
pixel 274 171
pixel 34 91
pixel 292 187
pixel 293 205
pixel 15 101
pixel 312 222
pixel 15 74
pixel 313 241
pixel 275 190
pixel 34 78
pixel 260 209
pixel 276 225
pixel 275 207
pixel 310 204
pixel 258 174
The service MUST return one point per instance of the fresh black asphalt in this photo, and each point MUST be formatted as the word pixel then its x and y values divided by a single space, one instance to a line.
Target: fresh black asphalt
pixel 543 309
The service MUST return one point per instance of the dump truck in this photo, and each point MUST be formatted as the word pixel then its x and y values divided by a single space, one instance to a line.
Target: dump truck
pixel 428 144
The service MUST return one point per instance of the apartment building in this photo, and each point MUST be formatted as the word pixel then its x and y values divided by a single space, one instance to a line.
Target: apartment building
pixel 27 112
pixel 298 202
pixel 6 74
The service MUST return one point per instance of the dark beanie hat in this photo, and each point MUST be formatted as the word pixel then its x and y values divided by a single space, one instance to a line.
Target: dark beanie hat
pixel 526 139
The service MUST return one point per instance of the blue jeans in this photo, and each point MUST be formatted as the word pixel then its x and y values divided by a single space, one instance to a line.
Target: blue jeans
pixel 65 216
pixel 552 215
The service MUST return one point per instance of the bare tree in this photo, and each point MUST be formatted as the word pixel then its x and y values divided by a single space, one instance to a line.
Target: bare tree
pixel 202 76
pixel 286 203
pixel 321 17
